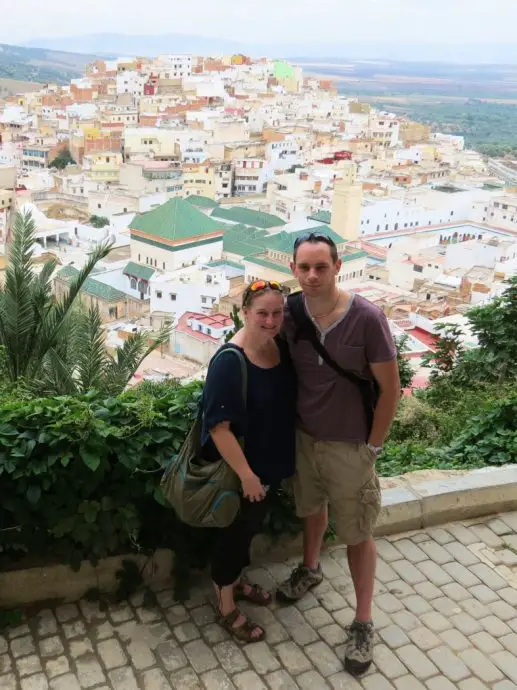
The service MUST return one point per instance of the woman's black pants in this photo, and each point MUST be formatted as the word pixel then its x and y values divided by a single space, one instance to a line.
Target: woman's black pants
pixel 230 548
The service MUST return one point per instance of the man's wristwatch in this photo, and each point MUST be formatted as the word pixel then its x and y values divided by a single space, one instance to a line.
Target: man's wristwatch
pixel 376 450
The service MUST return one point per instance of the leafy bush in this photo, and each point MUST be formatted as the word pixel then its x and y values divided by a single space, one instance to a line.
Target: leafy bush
pixel 99 221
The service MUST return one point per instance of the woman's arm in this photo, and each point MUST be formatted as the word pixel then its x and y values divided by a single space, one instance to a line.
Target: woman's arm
pixel 231 451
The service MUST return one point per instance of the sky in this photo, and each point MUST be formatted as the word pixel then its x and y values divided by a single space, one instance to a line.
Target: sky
pixel 261 21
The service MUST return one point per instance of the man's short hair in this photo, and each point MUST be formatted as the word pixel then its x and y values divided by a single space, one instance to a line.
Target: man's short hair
pixel 314 238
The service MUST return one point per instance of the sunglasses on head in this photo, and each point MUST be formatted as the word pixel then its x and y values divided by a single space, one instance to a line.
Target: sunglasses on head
pixel 313 237
pixel 258 285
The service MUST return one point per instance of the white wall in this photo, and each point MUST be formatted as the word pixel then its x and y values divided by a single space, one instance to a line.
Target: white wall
pixel 166 260
pixel 189 295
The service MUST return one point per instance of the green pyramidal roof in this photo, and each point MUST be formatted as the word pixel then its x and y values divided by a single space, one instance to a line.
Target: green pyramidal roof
pixel 247 216
pixel 177 219
pixel 201 201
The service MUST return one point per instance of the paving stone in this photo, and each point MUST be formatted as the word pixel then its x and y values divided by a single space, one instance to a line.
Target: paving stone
pixel 203 615
pixel 435 621
pixel 248 680
pixel 301 631
pixel 318 617
pixel 186 632
pixel 465 623
pixel 411 551
pixel 483 594
pixel 455 640
pixel 384 572
pixel 434 573
pixel 487 536
pixel 435 552
pixel 439 534
pixel 408 572
pixel 494 626
pixel 462 534
pixel 488 576
pixel 387 662
pixel 67 612
pixel 405 620
pixel 456 592
pixel 89 672
pixel 505 685
pixel 343 681
pixel 155 680
pixel 171 656
pixel 214 633
pixel 177 614
pixel 331 600
pixel 51 646
pixel 427 590
pixel 57 667
pixel 461 554
pixel 37 682
pixel 185 679
pixel 28 665
pixel 47 624
pixel 22 646
pixel 311 680
pixel 217 680
pixel 446 606
pixel 293 658
pixel 387 551
pixel 510 643
pixel 5 663
pixel 200 656
pixel 424 638
pixel 18 631
pixel 91 610
pixel 230 656
pixel 80 648
pixel 388 603
pixel 67 682
pixel 103 631
pixel 440 683
pixel 330 567
pixel 408 683
pixel 333 634
pixel 281 680
pixel 323 658
pixel 502 610
pixel 472 684
pixel 449 664
pixel 509 594
pixel 480 666
pixel 376 682
pixel 417 604
pixel 398 588
pixel 394 636
pixel 111 654
pixel 148 615
pixel 4 646
pixel 417 662
pixel 261 657
pixel 506 663
pixel 464 576
pixel 75 629
pixel 486 643
pixel 123 679
pixel 141 655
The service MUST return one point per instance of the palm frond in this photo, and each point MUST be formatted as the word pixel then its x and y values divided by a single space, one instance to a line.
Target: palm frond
pixel 91 353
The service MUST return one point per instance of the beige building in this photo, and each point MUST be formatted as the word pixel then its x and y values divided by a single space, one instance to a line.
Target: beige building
pixel 346 204
pixel 102 167
pixel 150 177
pixel 199 179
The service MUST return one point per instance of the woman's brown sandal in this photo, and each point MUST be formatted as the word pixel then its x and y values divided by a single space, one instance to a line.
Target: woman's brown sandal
pixel 244 632
pixel 256 594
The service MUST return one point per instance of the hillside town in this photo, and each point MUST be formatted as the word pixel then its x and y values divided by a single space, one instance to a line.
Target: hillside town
pixel 203 171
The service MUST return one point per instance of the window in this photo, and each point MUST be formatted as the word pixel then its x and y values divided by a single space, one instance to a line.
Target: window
pixel 133 283
pixel 418 269
pixel 155 262
pixel 203 300
pixel 99 206
pixel 158 294
pixel 139 257
pixel 113 312
pixel 172 295
pixel 107 159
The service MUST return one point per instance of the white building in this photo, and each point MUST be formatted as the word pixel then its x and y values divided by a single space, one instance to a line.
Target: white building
pixel 131 82
pixel 191 289
pixel 175 66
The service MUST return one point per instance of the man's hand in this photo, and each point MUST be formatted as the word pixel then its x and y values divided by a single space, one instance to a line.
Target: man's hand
pixel 387 376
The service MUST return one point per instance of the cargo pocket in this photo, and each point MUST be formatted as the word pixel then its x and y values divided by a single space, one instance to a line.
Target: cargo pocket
pixel 369 505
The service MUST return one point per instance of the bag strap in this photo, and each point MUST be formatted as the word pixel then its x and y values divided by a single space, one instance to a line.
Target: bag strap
pixel 305 327
pixel 242 362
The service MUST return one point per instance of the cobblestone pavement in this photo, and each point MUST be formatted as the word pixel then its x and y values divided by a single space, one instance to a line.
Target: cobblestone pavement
pixel 446 617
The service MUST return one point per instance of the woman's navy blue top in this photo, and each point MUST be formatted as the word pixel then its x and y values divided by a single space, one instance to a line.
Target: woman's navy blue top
pixel 266 423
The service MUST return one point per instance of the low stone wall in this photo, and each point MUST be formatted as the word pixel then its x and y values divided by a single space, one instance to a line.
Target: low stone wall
pixel 413 501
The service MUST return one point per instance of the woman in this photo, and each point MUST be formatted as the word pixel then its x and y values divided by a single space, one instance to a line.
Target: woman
pixel 266 424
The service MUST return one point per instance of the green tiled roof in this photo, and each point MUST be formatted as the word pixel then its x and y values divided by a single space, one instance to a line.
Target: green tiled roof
pixel 243 240
pixel 354 256
pixel 284 241
pixel 93 287
pixel 321 217
pixel 226 262
pixel 247 216
pixel 268 264
pixel 201 201
pixel 177 219
pixel 138 271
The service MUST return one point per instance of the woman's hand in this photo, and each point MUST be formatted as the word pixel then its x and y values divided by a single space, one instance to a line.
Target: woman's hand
pixel 252 487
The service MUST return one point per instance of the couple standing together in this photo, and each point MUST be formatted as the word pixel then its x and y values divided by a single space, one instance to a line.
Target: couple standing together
pixel 302 418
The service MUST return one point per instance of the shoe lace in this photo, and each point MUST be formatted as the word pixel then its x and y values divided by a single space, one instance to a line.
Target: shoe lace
pixel 297 576
pixel 360 634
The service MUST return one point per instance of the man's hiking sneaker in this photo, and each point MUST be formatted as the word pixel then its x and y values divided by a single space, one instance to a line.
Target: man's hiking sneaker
pixel 359 647
pixel 299 582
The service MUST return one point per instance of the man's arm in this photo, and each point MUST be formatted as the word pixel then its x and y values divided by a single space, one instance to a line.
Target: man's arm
pixel 387 376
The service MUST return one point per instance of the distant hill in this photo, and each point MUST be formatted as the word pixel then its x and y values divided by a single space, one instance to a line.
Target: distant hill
pixel 41 64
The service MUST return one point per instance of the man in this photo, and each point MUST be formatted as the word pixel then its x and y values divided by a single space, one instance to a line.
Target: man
pixel 336 449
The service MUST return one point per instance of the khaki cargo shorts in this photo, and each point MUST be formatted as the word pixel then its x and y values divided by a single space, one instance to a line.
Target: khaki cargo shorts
pixel 343 476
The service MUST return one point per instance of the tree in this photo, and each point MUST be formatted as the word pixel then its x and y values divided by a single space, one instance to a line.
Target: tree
pixel 99 221
pixel 63 158
pixel 447 353
pixel 237 323
pixel 55 347
pixel 406 372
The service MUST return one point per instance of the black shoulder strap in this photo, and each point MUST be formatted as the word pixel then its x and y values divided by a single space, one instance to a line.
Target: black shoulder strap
pixel 228 347
pixel 306 329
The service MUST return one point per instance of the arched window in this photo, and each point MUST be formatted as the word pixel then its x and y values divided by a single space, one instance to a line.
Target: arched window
pixel 133 283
